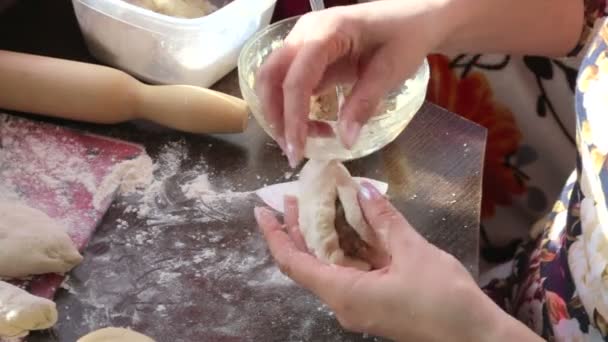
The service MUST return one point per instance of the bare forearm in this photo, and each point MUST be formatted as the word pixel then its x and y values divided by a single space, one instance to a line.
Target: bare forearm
pixel 538 27
pixel 496 325
pixel 512 330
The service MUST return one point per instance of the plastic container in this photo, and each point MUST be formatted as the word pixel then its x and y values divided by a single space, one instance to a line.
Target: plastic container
pixel 166 50
pixel 396 111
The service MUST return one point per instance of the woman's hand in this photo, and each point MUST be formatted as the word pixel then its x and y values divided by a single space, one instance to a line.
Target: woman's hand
pixel 374 46
pixel 377 45
pixel 424 294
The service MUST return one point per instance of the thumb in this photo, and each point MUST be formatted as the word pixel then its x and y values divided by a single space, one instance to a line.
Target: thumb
pixel 375 81
pixel 393 230
pixel 384 71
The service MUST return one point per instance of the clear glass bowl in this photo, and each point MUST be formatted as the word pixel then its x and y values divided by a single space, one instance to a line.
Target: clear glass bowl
pixel 395 113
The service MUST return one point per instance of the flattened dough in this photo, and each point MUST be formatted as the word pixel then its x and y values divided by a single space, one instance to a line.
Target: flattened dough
pixel 321 184
pixel 21 312
pixel 33 243
pixel 112 334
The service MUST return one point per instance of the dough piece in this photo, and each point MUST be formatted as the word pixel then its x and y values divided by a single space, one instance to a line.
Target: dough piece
pixel 274 195
pixel 331 236
pixel 112 334
pixel 324 106
pixel 21 312
pixel 178 8
pixel 33 243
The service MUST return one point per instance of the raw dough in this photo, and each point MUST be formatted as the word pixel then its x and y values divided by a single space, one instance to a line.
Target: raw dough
pixel 331 236
pixel 324 106
pixel 33 243
pixel 21 312
pixel 274 195
pixel 112 334
pixel 178 8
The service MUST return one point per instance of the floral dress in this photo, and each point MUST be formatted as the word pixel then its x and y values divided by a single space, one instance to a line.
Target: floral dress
pixel 559 280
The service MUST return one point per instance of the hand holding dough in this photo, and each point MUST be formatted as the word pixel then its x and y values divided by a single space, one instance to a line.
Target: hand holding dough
pixel 111 334
pixel 21 312
pixel 342 236
pixel 33 243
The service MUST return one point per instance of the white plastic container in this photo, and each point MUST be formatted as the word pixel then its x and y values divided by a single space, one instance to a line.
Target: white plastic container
pixel 166 50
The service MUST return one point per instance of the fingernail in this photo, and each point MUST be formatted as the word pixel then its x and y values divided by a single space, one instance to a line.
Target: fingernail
pixel 292 155
pixel 260 213
pixel 349 131
pixel 281 142
pixel 369 192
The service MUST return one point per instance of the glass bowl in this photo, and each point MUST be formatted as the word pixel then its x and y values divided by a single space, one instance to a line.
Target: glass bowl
pixel 396 111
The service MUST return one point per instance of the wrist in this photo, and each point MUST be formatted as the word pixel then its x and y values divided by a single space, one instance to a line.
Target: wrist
pixel 450 19
pixel 496 326
pixel 512 27
pixel 426 22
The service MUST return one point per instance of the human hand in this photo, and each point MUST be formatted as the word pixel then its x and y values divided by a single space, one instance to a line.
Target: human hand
pixel 423 294
pixel 373 46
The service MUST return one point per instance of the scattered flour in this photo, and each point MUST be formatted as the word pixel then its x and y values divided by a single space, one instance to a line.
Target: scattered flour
pixel 197 187
pixel 167 199
pixel 186 251
pixel 50 160
pixel 126 177
pixel 150 266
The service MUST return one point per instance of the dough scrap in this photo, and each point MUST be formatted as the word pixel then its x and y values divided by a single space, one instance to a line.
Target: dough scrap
pixel 21 312
pixel 33 243
pixel 323 184
pixel 112 334
pixel 274 195
pixel 178 8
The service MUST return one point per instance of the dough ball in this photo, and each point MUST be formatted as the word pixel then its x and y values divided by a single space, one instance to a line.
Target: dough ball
pixel 21 312
pixel 33 243
pixel 112 334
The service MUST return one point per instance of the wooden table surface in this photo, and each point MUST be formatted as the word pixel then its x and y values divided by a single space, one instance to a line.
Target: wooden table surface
pixel 234 292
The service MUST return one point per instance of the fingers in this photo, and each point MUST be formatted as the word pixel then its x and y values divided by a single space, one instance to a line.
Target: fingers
pixel 378 258
pixel 392 228
pixel 304 74
pixel 320 40
pixel 269 86
pixel 291 221
pixel 320 129
pixel 376 80
pixel 297 238
pixel 291 210
pixel 341 72
pixel 324 280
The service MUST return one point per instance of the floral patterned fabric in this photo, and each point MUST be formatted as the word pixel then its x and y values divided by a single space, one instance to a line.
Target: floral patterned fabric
pixel 559 280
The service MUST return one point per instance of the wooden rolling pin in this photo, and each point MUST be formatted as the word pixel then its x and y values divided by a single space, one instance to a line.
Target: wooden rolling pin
pixel 99 94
